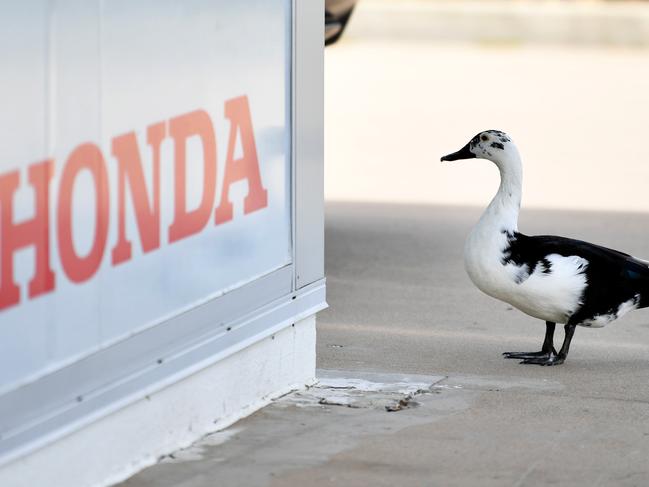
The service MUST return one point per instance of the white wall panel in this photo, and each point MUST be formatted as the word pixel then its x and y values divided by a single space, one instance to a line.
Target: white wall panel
pixel 88 72
pixel 95 93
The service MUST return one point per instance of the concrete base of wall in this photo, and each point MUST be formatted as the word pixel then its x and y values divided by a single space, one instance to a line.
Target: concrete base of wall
pixel 115 447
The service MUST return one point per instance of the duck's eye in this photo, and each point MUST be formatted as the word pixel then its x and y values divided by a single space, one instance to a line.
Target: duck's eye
pixel 484 138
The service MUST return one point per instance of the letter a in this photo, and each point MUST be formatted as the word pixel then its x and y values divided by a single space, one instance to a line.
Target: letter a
pixel 238 111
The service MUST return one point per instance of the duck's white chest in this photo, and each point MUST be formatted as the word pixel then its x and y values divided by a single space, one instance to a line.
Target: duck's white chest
pixel 551 294
pixel 483 253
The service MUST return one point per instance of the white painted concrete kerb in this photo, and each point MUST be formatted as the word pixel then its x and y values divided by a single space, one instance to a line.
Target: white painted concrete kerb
pixel 115 447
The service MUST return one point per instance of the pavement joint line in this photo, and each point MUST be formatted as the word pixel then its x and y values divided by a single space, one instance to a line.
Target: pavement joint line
pixel 391 392
pixel 482 384
pixel 556 393
pixel 432 333
pixel 527 473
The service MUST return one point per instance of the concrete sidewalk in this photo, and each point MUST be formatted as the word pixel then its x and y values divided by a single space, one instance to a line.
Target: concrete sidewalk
pixel 402 307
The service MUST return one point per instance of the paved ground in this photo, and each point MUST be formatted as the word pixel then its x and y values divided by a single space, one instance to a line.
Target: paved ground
pixel 400 301
pixel 402 305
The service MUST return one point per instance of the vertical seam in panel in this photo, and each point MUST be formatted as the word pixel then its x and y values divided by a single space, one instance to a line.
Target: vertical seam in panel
pixel 100 125
pixel 294 138
pixel 49 87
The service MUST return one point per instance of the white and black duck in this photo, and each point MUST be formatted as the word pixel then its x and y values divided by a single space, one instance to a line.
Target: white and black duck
pixel 555 279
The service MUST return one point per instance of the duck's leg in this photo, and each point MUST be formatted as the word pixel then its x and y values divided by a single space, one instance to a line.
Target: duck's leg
pixel 561 356
pixel 547 350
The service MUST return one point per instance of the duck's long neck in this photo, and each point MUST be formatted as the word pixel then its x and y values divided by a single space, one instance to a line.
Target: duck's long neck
pixel 503 210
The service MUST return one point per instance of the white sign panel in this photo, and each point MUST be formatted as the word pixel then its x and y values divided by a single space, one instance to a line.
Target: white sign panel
pixel 144 167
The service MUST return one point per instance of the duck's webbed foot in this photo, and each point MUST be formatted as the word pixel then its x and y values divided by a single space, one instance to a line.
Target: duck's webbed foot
pixel 549 356
pixel 550 360
pixel 547 350
pixel 530 355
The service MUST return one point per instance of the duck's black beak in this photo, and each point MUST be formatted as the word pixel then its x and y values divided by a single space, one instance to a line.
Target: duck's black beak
pixel 463 153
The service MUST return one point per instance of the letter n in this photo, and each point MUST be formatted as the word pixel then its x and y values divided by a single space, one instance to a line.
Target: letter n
pixel 238 111
pixel 14 236
pixel 125 149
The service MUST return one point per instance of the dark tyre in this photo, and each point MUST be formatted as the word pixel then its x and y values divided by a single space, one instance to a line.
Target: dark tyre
pixel 335 29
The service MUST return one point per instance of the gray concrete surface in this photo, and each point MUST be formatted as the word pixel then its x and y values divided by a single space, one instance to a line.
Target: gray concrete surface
pixel 398 292
pixel 404 315
pixel 401 304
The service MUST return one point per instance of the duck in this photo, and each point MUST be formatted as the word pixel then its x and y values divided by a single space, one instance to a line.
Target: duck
pixel 556 279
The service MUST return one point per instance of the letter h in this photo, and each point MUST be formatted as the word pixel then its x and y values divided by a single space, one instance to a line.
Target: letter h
pixel 14 236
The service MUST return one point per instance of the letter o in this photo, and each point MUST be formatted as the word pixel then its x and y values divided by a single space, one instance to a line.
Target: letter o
pixel 86 156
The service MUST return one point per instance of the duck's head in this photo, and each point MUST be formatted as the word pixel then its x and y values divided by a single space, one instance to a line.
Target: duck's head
pixel 493 145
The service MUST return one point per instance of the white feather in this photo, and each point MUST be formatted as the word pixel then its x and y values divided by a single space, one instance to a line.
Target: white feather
pixel 551 289
pixel 603 320
pixel 550 296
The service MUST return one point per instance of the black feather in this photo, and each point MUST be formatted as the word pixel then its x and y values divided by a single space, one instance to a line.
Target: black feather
pixel 612 277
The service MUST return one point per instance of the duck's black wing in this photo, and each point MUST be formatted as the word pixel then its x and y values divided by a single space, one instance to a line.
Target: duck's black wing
pixel 612 277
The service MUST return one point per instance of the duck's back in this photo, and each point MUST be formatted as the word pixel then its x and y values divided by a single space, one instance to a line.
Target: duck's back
pixel 557 279
pixel 616 282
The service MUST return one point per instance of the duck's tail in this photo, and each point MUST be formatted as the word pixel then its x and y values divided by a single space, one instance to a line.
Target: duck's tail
pixel 638 270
